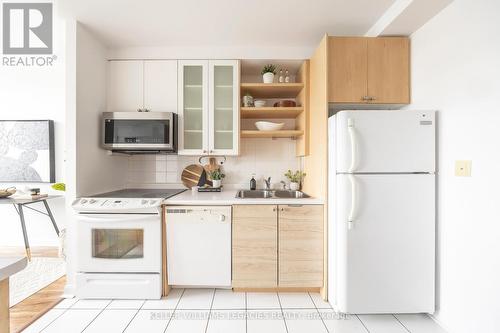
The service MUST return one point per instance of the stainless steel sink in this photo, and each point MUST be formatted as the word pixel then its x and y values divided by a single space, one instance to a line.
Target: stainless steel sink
pixel 290 194
pixel 257 194
pixel 268 194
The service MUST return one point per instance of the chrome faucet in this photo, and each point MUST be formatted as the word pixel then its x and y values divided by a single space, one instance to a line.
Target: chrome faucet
pixel 267 182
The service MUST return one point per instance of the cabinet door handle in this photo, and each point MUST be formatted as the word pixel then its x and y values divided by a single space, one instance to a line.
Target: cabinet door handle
pixel 204 152
pixel 365 98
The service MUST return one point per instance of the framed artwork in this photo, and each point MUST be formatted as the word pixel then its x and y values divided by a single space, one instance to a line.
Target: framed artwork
pixel 27 151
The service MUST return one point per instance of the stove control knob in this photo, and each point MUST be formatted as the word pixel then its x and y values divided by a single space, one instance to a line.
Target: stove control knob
pixel 92 201
pixel 144 202
pixel 152 202
pixel 84 201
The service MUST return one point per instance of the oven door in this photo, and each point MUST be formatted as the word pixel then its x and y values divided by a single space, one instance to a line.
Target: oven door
pixel 138 131
pixel 119 243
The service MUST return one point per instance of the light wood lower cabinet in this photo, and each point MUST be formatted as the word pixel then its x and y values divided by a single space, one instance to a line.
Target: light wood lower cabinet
pixel 255 246
pixel 300 246
pixel 277 246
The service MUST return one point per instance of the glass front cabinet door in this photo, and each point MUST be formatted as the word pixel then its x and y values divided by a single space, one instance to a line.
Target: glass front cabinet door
pixel 208 107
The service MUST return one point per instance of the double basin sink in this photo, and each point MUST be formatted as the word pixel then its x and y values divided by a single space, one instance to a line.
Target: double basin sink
pixel 270 194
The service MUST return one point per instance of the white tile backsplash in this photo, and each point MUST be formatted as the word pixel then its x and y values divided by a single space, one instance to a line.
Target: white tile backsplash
pixel 262 157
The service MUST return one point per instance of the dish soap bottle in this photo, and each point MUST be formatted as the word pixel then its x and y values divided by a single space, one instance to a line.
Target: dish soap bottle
pixel 253 183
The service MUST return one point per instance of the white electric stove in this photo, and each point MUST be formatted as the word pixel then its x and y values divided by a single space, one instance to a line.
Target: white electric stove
pixel 119 237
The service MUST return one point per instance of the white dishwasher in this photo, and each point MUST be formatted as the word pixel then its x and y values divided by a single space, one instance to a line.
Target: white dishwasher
pixel 199 246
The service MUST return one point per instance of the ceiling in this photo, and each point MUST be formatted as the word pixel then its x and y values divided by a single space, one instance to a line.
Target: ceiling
pixel 223 23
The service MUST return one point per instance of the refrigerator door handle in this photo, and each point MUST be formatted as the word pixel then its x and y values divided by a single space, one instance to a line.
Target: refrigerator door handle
pixel 352 212
pixel 352 136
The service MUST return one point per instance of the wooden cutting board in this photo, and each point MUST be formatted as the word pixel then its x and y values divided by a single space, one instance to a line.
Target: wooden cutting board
pixel 211 166
pixel 194 175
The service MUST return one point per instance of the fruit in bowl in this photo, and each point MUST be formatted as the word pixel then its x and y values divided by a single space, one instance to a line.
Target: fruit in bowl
pixel 268 126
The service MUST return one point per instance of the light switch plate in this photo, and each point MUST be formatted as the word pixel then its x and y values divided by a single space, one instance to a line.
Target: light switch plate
pixel 463 168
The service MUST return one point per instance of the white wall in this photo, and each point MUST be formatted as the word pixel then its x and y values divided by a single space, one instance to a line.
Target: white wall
pixel 36 93
pixel 456 70
pixel 96 171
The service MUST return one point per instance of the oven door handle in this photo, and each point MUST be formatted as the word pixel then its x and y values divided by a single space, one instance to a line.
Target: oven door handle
pixel 100 218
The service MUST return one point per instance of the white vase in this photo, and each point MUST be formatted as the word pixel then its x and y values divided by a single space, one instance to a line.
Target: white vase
pixel 216 183
pixel 294 186
pixel 268 77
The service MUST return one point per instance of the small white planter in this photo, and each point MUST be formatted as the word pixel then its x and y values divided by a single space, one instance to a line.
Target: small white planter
pixel 216 183
pixel 268 77
pixel 294 186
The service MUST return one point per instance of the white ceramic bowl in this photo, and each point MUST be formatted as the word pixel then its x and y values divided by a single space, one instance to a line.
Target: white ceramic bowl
pixel 259 103
pixel 268 126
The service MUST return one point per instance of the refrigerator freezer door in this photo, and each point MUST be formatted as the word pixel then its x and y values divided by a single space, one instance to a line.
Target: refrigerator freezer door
pixel 384 141
pixel 385 262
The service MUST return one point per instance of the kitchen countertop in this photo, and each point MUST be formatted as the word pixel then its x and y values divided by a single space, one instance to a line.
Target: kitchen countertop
pixel 228 197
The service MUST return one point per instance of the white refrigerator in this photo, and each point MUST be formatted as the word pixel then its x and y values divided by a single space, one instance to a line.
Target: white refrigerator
pixel 381 211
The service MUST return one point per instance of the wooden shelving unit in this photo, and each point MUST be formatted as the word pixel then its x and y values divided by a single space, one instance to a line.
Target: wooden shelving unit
pixel 270 112
pixel 297 91
pixel 271 134
pixel 271 90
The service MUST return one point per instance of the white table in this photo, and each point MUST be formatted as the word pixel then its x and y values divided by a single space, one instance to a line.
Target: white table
pixel 8 267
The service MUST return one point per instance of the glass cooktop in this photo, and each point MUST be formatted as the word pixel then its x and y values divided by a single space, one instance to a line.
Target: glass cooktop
pixel 140 193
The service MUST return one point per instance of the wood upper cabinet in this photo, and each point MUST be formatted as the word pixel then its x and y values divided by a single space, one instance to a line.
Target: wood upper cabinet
pixel 347 69
pixel 369 70
pixel 300 246
pixel 255 246
pixel 389 70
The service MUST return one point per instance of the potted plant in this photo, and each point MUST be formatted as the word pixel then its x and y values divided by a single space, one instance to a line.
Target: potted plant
pixel 295 179
pixel 216 176
pixel 268 73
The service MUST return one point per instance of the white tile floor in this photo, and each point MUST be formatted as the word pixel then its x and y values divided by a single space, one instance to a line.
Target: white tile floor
pixel 220 311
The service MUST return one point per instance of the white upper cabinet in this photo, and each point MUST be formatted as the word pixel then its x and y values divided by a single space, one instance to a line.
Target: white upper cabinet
pixel 160 85
pixel 224 115
pixel 125 85
pixel 193 107
pixel 142 84
pixel 208 105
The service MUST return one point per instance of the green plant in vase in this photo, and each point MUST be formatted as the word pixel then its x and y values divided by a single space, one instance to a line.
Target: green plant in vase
pixel 295 179
pixel 216 175
pixel 268 73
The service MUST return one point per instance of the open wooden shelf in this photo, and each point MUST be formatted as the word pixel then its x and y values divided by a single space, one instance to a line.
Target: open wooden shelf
pixel 271 90
pixel 270 112
pixel 271 134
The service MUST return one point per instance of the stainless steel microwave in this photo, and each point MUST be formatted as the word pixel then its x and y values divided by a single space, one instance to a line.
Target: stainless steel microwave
pixel 138 132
